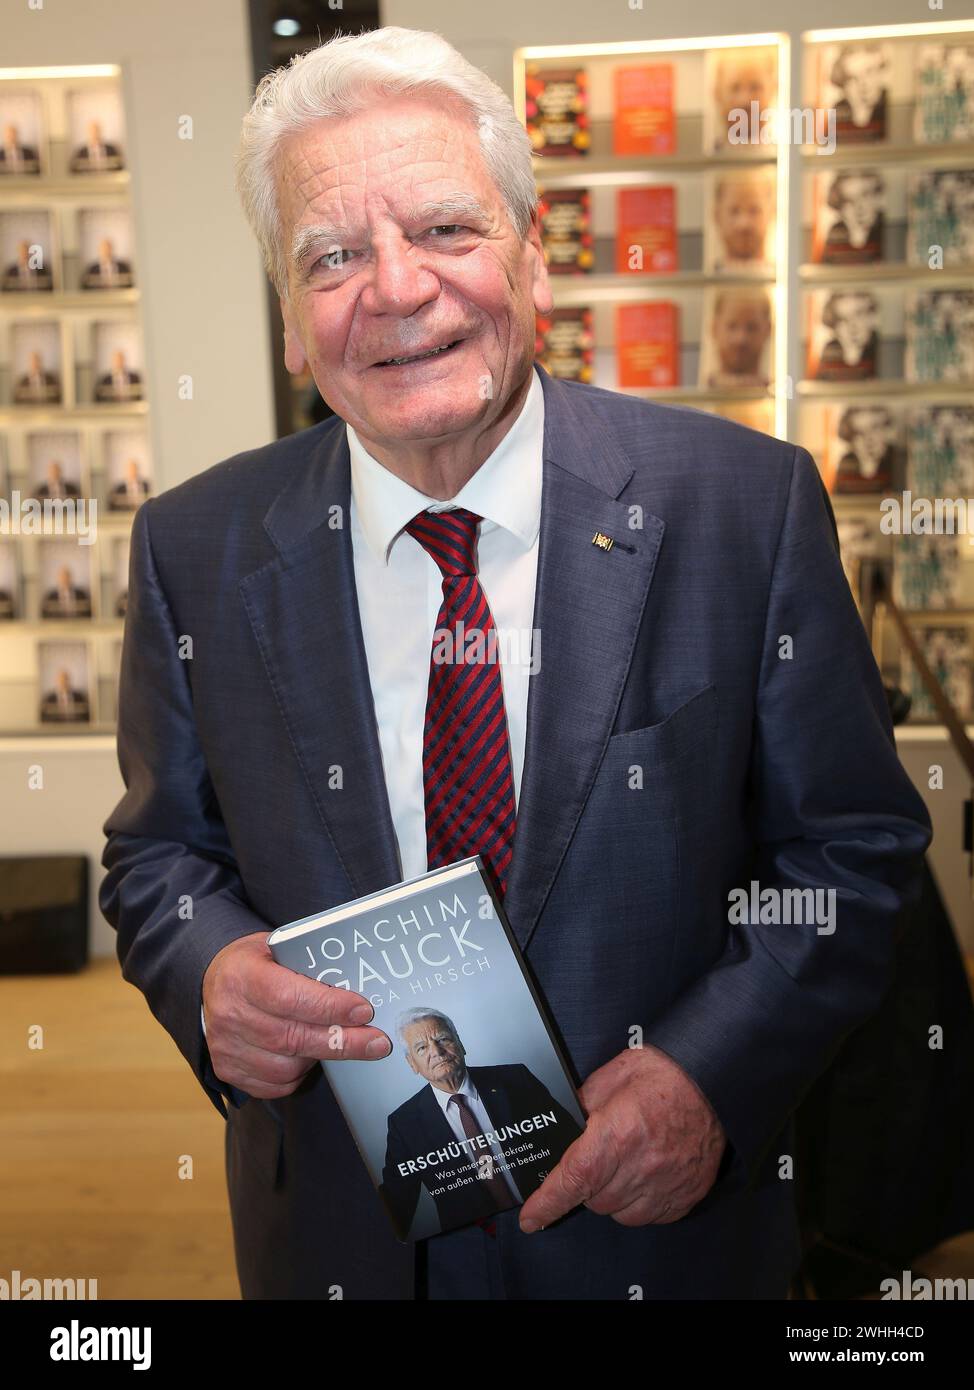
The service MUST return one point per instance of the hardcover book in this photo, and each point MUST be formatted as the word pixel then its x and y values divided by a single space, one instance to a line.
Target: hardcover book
pixel 854 79
pixel 847 226
pixel 566 230
pixel 843 335
pixel 646 230
pixel 736 339
pixel 642 99
pixel 940 218
pixel 475 1105
pixel 926 571
pixel 947 651
pixel 739 222
pixel 564 343
pixel 944 107
pixel 860 446
pixel 556 110
pixel 940 336
pixel 648 343
pixel 940 451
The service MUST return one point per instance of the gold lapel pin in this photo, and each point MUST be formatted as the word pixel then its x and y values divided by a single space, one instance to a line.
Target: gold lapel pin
pixel 603 541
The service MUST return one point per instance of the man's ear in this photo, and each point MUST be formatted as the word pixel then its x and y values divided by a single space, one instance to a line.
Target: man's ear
pixel 412 1064
pixel 540 287
pixel 295 359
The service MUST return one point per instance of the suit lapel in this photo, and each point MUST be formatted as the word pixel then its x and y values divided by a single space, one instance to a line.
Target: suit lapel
pixel 588 606
pixel 304 612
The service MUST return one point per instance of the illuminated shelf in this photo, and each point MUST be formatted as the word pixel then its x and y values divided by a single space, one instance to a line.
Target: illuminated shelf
pixel 581 171
pixel 40 304
pixel 62 627
pixel 954 153
pixel 55 416
pixel 584 288
pixel 25 188
pixel 843 274
pixel 930 390
pixel 693 395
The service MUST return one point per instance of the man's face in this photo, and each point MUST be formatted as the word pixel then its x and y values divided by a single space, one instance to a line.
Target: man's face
pixel 860 204
pixel 740 82
pixel 742 220
pixel 397 278
pixel 854 323
pixel 871 437
pixel 434 1052
pixel 863 79
pixel 741 329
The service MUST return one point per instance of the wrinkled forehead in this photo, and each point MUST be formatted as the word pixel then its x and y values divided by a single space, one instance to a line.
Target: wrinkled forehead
pixel 424 1029
pixel 382 155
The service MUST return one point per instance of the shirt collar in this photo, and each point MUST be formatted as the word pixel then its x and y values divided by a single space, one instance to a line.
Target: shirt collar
pixel 466 1088
pixel 505 490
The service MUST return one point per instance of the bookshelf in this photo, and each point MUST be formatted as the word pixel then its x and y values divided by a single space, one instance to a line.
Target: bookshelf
pixel 74 451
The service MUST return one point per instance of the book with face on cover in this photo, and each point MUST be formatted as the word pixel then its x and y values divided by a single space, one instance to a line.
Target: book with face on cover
pixel 475 1104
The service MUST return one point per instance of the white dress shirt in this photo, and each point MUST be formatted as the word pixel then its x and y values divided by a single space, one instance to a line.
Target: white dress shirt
pixel 400 588
pixel 485 1125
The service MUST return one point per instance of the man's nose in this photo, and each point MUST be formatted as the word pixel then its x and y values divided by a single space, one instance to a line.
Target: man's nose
pixel 400 282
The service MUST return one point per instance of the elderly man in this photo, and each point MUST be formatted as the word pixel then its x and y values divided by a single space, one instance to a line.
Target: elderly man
pixel 463 1103
pixel 706 714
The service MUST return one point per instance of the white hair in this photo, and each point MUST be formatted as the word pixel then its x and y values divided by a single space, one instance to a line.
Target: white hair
pixel 410 1016
pixel 347 75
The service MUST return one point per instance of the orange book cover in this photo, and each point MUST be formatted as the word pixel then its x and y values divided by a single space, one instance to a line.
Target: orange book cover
pixel 643 109
pixel 646 230
pixel 648 344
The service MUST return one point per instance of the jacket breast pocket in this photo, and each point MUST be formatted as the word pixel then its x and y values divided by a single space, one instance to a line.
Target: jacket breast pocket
pixel 644 840
pixel 671 762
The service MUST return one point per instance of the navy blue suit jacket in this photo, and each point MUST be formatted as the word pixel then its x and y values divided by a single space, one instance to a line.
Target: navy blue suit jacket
pixel 662 660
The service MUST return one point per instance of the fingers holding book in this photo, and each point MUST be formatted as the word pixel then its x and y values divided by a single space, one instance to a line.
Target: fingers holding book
pixel 266 1026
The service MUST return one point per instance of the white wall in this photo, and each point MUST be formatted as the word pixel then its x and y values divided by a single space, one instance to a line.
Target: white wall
pixel 204 312
pixel 203 302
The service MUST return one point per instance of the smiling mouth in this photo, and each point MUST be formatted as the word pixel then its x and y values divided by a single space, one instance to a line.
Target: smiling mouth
pixel 420 356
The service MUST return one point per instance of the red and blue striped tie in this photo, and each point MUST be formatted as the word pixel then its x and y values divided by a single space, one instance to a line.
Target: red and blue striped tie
pixel 468 779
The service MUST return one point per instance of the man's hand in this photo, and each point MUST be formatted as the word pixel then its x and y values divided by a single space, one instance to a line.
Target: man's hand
pixel 266 1025
pixel 650 1151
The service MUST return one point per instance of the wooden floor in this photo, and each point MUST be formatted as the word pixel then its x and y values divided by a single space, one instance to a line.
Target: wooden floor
pixel 94 1126
pixel 93 1129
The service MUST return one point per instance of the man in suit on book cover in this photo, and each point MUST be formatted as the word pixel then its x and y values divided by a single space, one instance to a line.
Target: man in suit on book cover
pixel 706 719
pixel 15 156
pixel 457 1104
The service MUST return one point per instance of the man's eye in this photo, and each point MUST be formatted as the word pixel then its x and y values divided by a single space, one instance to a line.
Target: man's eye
pixel 447 227
pixel 332 260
